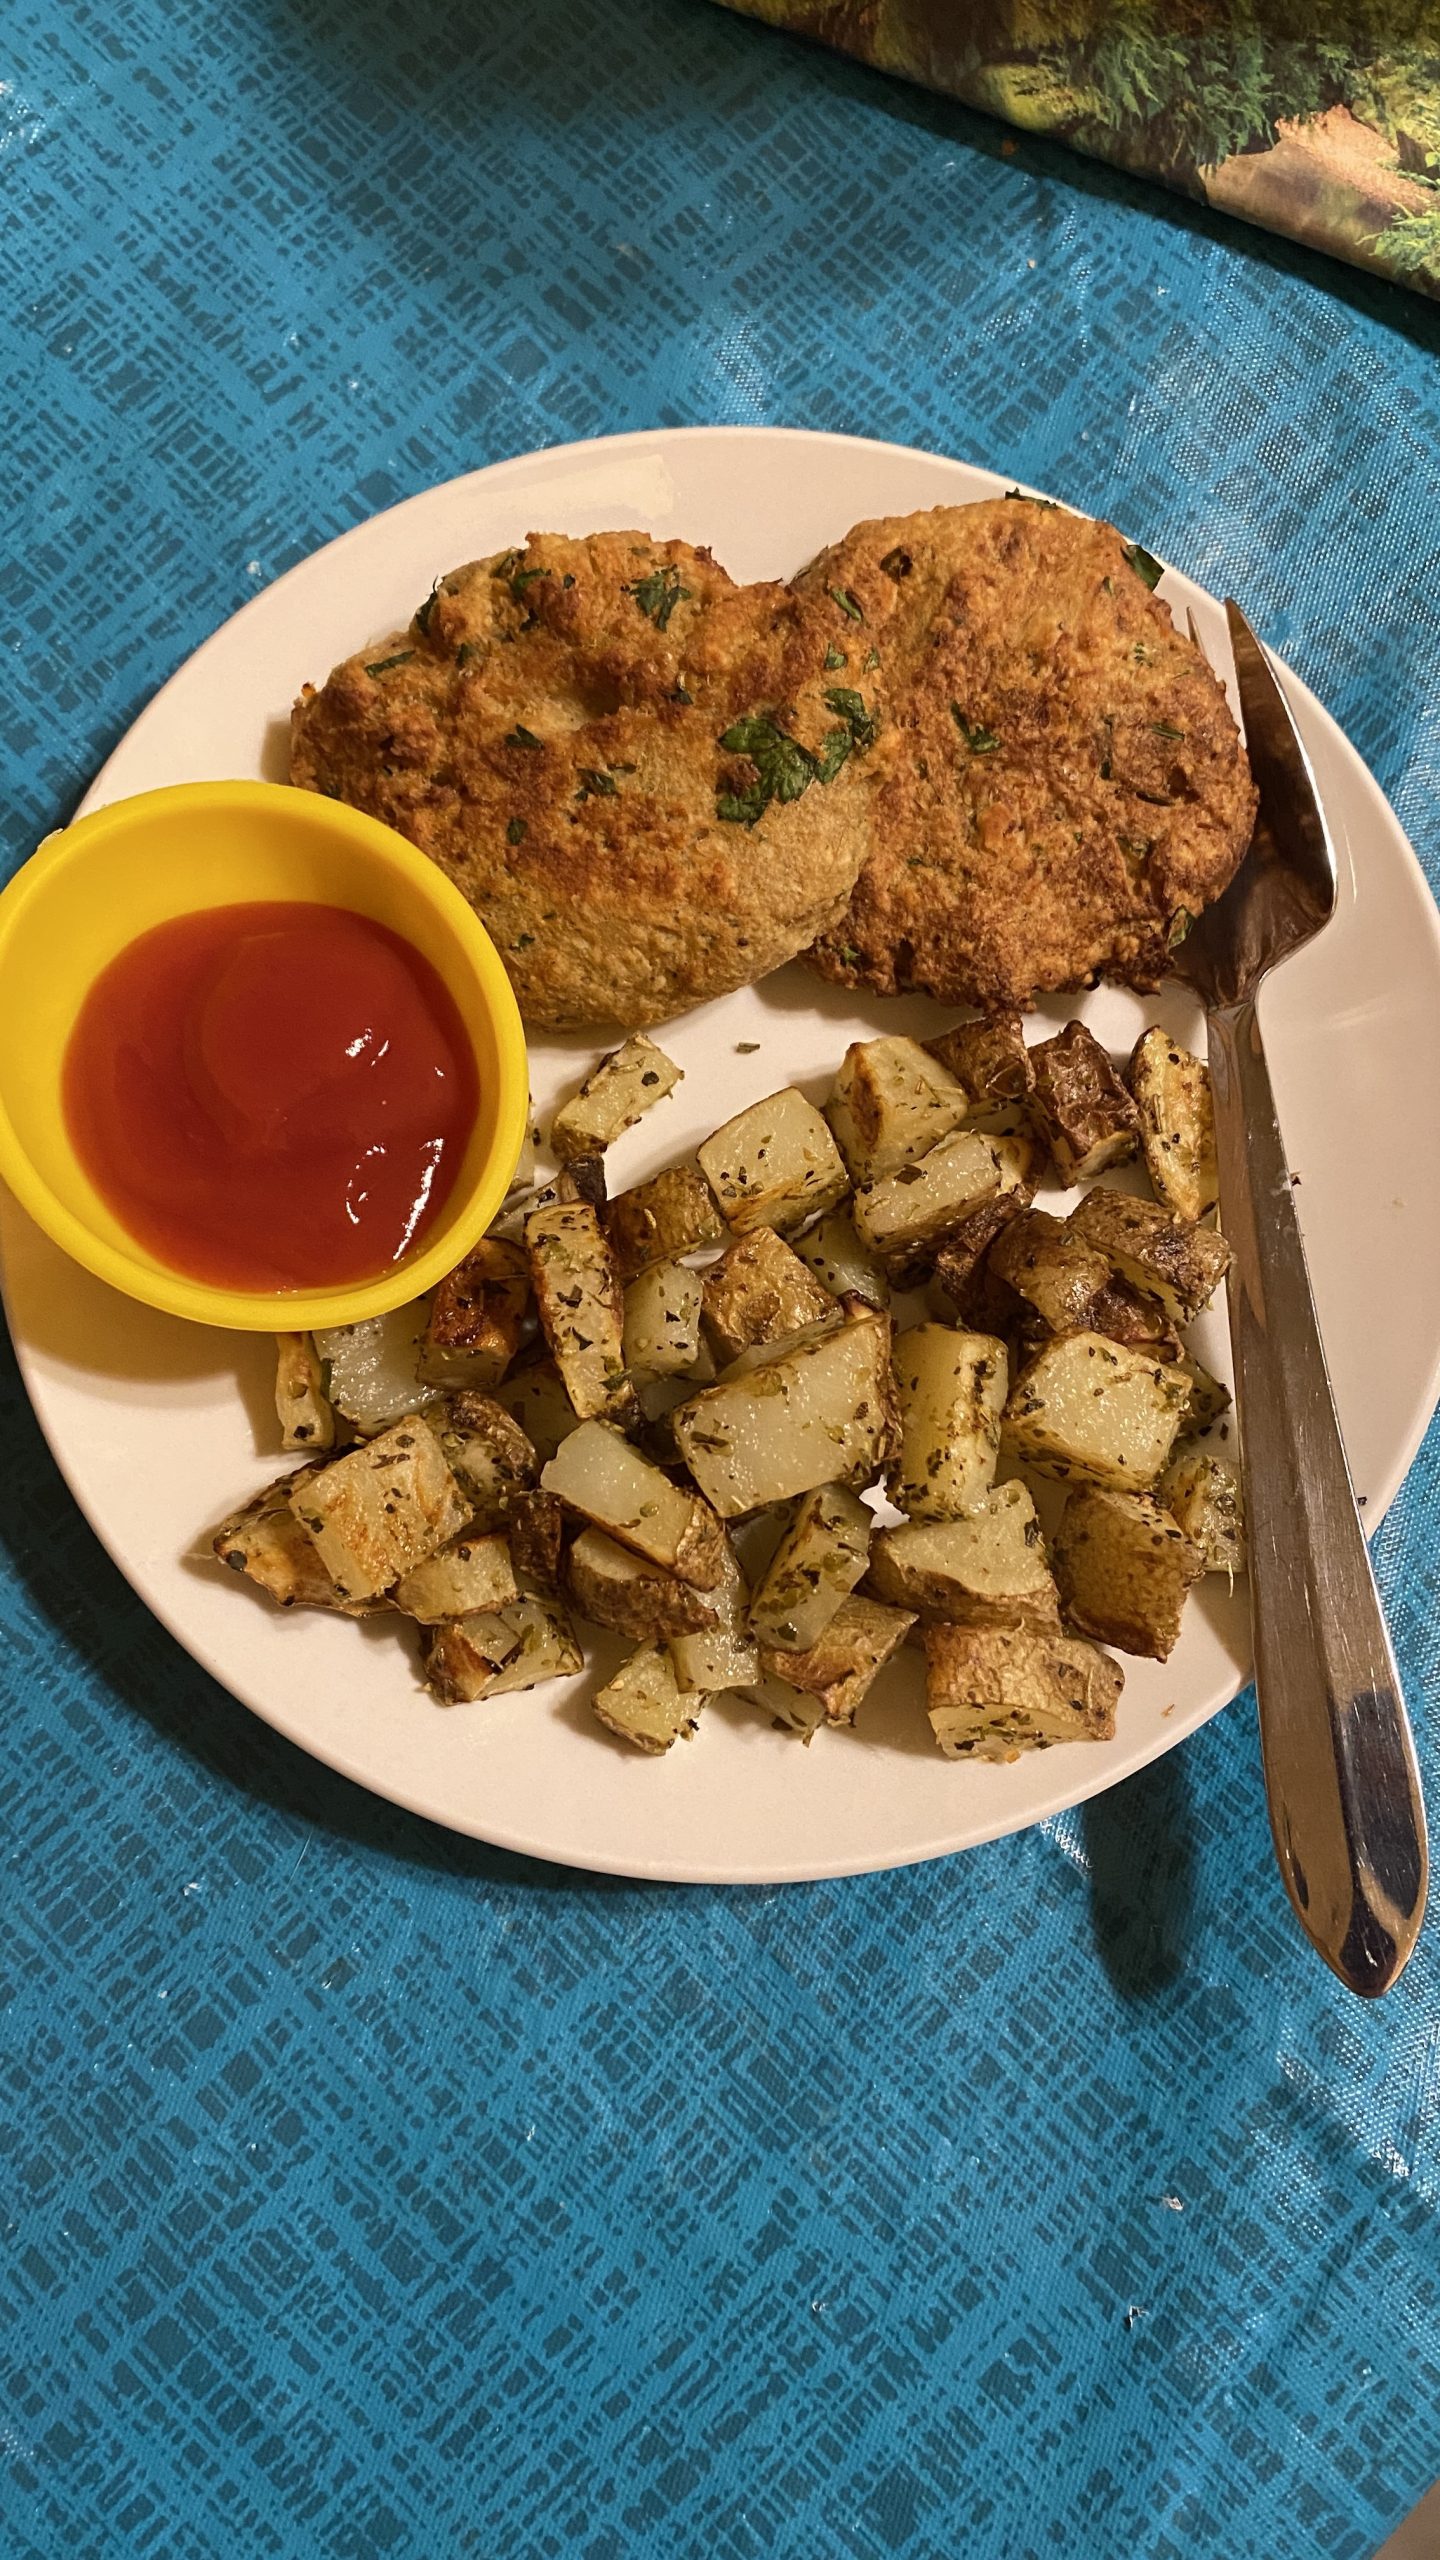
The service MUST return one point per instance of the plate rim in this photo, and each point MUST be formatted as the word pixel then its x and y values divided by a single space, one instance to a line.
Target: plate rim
pixel 501 1835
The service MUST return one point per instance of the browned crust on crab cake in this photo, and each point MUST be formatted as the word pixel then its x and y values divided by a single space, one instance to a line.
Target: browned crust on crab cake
pixel 1068 787
pixel 549 730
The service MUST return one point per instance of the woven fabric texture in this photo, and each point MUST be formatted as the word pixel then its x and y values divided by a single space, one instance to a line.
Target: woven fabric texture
pixel 370 2193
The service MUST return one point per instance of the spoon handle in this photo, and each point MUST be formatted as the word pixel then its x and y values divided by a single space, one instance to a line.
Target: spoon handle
pixel 1340 1774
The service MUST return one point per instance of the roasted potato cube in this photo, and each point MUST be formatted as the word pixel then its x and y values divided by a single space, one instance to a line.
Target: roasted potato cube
pixel 724 1656
pixel 1080 1106
pixel 1177 1124
pixel 840 1262
pixel 796 1709
pixel 598 1474
pixel 952 1388
pixel 988 1059
pixel 841 1666
pixel 374 1367
pixel 1087 1407
pixel 1021 1158
pixel 1207 1397
pixel 265 1541
pixel 1050 1267
pixel 672 1214
pixel 471 1573
pixel 635 1598
pixel 662 1321
pixel 1124 1566
pixel 775 1164
pixel 1180 1267
pixel 762 1355
pixel 759 1291
pixel 1121 1312
pixel 645 1704
pixel 535 1398
pixel 385 1507
pixel 477 1316
pixel 993 1692
pixel 987 1569
pixel 890 1103
pixel 487 1449
pixel 535 1535
pixel 1204 1496
pixel 578 1294
pixel 621 1090
pixel 306 1416
pixel 905 1216
pixel 820 1413
pixel 819 1560
pixel 499 1649
pixel 962 1265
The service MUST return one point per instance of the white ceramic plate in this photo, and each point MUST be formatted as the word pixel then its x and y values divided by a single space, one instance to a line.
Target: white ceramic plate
pixel 160 1427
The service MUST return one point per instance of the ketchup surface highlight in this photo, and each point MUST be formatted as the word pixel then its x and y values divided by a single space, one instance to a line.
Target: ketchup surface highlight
pixel 271 1096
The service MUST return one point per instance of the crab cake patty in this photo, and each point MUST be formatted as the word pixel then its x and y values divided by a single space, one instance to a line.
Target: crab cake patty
pixel 1068 788
pixel 651 784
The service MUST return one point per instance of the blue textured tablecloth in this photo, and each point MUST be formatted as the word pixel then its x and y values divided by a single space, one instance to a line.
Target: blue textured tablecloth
pixel 367 2192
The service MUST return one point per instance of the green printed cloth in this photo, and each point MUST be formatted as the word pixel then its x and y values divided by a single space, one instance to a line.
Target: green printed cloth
pixel 1321 123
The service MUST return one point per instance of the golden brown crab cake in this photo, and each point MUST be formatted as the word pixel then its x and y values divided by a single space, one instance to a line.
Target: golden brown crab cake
pixel 1068 789
pixel 652 785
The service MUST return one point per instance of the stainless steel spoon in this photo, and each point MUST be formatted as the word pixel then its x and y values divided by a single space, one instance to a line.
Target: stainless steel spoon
pixel 1340 1774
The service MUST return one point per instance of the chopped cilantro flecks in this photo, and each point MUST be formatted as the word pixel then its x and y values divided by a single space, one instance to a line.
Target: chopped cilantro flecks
pixel 1163 729
pixel 505 564
pixel 872 659
pixel 846 602
pixel 517 831
pixel 1136 849
pixel 1180 924
pixel 783 768
pixel 679 694
pixel 847 952
pixel 849 706
pixel 658 593
pixel 467 650
pixel 524 578
pixel 422 617
pixel 981 742
pixel 518 737
pixel 567 580
pixel 834 748
pixel 595 785
pixel 835 657
pixel 523 942
pixel 1141 655
pixel 1144 564
pixel 382 666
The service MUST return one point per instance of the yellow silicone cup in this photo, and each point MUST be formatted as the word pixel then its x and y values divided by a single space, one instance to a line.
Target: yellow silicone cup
pixel 92 889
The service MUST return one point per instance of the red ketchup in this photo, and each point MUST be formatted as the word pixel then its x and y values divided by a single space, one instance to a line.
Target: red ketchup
pixel 271 1096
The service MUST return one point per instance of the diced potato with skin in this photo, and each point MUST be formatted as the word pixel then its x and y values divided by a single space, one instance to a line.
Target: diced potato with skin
pixel 383 1508
pixel 535 1398
pixel 1208 1398
pixel 578 1294
pixel 952 1388
pixel 1050 1267
pixel 265 1541
pixel 905 1216
pixel 498 1650
pixel 306 1416
pixel 672 1214
pixel 535 1535
pixel 1124 1566
pixel 758 1291
pixel 988 1569
pixel 775 1164
pixel 471 1573
pixel 1080 1106
pixel 795 1709
pixel 1177 1124
pixel 962 1265
pixel 477 1317
pixel 662 1321
pixel 993 1692
pixel 1120 1311
pixel 645 1704
pixel 842 1665
pixel 840 1262
pixel 374 1367
pixel 1022 1160
pixel 724 1656
pixel 1089 1408
pixel 820 1559
pixel 621 1090
pixel 821 1413
pixel 622 1591
pixel 487 1449
pixel 599 1474
pixel 1180 1267
pixel 891 1102
pixel 988 1059
pixel 1204 1496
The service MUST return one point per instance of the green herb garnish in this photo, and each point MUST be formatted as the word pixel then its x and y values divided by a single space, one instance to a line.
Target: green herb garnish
pixel 467 650
pixel 658 594
pixel 872 659
pixel 981 742
pixel 382 666
pixel 846 602
pixel 849 706
pixel 517 831
pixel 518 737
pixel 595 785
pixel 835 657
pixel 783 768
pixel 1163 729
pixel 1180 924
pixel 523 942
pixel 1145 565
